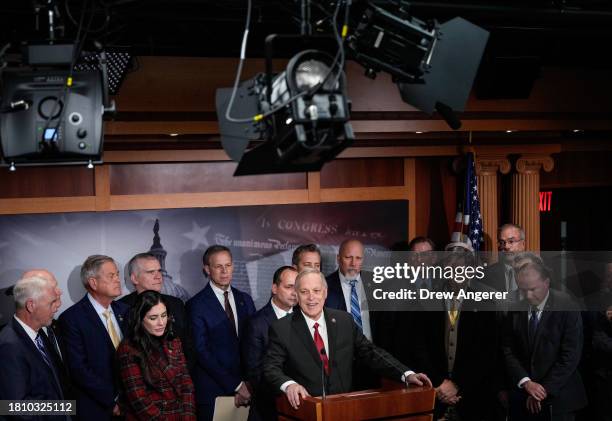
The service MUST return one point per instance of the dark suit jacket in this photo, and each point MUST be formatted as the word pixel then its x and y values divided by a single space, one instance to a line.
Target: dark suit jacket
pixel 602 347
pixel 58 353
pixel 218 368
pixel 381 322
pixel 90 355
pixel 556 352
pixel 475 356
pixel 292 354
pixel 182 328
pixel 254 345
pixel 495 276
pixel 24 374
pixel 169 395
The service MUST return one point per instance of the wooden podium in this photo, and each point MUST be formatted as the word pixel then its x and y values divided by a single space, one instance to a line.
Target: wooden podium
pixel 393 402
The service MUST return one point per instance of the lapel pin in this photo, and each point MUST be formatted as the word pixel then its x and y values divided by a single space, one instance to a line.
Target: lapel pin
pixel 333 320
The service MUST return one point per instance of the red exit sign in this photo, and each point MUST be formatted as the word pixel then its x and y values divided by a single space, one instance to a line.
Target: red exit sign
pixel 545 199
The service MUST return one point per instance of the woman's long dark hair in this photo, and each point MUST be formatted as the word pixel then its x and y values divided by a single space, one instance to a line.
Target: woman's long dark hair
pixel 142 341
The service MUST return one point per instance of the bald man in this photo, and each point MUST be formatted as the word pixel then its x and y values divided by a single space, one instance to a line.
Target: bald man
pixel 348 291
pixel 45 274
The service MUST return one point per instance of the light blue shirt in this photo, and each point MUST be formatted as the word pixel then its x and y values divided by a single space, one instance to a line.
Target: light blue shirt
pixel 363 302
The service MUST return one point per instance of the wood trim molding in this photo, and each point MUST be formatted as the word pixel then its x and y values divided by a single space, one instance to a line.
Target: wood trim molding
pixel 203 155
pixel 363 194
pixel 188 127
pixel 47 205
pixel 175 155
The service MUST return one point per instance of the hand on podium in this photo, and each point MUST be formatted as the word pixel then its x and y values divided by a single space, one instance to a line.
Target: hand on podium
pixel 294 392
pixel 419 379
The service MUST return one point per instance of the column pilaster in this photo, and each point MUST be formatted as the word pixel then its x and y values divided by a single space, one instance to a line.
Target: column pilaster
pixel 487 168
pixel 526 196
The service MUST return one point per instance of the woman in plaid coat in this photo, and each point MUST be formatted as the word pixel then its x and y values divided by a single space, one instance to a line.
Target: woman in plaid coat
pixel 155 381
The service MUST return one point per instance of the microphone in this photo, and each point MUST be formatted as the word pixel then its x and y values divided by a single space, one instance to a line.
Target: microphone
pixel 323 354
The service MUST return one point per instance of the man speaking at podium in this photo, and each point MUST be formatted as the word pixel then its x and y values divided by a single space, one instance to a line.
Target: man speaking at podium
pixel 311 351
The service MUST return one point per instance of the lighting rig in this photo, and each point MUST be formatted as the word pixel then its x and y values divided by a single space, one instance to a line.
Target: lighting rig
pixel 53 104
pixel 302 114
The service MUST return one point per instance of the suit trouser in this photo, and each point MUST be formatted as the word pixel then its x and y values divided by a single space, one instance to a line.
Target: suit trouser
pixel 206 412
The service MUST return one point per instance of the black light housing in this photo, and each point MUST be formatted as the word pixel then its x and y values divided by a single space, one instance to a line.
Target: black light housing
pixel 50 113
pixel 55 125
pixel 433 64
pixel 304 117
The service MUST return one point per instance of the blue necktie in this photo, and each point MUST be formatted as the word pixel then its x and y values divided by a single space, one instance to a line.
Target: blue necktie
pixel 41 348
pixel 355 309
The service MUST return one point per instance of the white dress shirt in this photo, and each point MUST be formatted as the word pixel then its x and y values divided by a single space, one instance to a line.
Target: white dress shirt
pixel 363 302
pixel 280 313
pixel 219 293
pixel 31 332
pixel 538 314
pixel 100 310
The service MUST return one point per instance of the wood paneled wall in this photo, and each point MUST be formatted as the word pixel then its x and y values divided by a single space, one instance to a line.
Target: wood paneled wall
pixel 132 186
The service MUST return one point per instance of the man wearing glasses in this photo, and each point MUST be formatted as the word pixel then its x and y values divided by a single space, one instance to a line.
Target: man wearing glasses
pixel 511 241
pixel 501 276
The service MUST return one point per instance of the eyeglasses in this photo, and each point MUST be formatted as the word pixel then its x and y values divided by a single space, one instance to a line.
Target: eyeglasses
pixel 509 241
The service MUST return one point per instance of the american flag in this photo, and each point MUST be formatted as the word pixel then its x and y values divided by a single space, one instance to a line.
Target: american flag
pixel 472 201
pixel 468 223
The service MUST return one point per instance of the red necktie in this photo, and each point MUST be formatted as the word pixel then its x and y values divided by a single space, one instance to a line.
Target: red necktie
pixel 318 340
pixel 229 312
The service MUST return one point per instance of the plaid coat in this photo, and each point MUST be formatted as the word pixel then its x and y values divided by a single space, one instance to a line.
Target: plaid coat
pixel 172 398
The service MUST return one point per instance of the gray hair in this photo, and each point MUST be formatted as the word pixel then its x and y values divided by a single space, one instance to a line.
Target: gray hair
pixel 525 257
pixel 91 267
pixel 32 288
pixel 133 266
pixel 514 226
pixel 309 271
pixel 544 271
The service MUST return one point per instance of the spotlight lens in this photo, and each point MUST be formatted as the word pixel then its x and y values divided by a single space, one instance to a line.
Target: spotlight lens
pixel 310 73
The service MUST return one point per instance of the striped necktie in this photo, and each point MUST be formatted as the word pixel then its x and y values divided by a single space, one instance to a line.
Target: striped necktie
pixel 41 348
pixel 355 309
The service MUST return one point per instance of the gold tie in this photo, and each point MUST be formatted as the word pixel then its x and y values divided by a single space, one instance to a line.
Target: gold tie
pixel 453 313
pixel 111 329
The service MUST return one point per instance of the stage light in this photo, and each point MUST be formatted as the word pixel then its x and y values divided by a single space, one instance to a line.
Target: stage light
pixel 433 64
pixel 63 122
pixel 52 115
pixel 302 116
